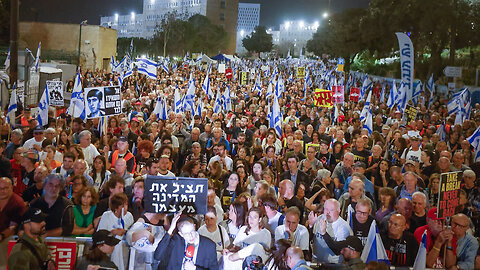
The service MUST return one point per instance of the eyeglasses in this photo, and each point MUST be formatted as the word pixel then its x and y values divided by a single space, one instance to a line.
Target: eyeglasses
pixel 360 213
pixel 454 224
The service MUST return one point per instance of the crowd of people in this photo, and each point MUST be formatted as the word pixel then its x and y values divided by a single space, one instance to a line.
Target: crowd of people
pixel 280 199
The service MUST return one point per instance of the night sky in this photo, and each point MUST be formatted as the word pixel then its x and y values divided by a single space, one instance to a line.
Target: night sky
pixel 272 13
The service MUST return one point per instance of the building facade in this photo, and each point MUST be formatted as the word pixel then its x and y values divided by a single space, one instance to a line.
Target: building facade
pixel 220 12
pixel 248 19
pixel 296 33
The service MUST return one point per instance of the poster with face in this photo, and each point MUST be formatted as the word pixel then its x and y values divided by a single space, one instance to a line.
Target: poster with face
pixel 102 101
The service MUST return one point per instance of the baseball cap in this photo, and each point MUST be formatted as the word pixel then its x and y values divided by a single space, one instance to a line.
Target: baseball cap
pixel 414 136
pixel 138 103
pixel 104 237
pixel 135 119
pixel 122 139
pixel 360 164
pixel 124 121
pixel 31 154
pixel 164 156
pixel 38 129
pixel 352 242
pixel 386 127
pixel 410 162
pixel 33 215
pixel 432 214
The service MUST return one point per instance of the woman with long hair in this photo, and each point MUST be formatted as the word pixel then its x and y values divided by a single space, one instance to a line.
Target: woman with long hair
pixel 270 160
pixel 276 261
pixel 433 188
pixel 242 177
pixel 99 172
pixel 104 243
pixel 191 169
pixel 381 176
pixel 77 151
pixel 230 192
pixel 236 219
pixel 85 205
pixel 256 175
pixel 337 154
pixel 387 197
pixel 144 149
pixel 113 126
pixel 63 141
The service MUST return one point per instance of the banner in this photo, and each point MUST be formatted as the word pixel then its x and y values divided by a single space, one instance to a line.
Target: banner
pixel 406 62
pixel 21 91
pixel 221 68
pixel 410 113
pixel 448 197
pixel 340 64
pixel 102 101
pixel 229 73
pixel 63 253
pixel 300 72
pixel 354 94
pixel 243 78
pixel 55 90
pixel 338 94
pixel 323 98
pixel 175 194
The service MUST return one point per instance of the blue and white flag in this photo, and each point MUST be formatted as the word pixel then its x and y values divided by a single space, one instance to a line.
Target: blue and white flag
pixel 406 63
pixel 382 94
pixel 164 66
pixel 335 114
pixel 474 141
pixel 441 131
pixel 366 107
pixel 367 83
pixel 102 125
pixel 217 107
pixel 206 84
pixel 190 95
pixel 392 96
pixel 374 249
pixel 258 86
pixel 290 79
pixel 147 67
pixel 12 107
pixel 402 96
pixel 288 55
pixel 7 60
pixel 431 87
pixel 42 116
pixel 350 213
pixel 421 259
pixel 160 109
pixel 227 101
pixel 37 57
pixel 277 117
pixel 369 122
pixel 269 90
pixel 177 101
pixel 77 106
pixel 131 47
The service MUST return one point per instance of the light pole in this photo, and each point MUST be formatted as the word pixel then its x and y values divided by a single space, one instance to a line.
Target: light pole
pixel 80 40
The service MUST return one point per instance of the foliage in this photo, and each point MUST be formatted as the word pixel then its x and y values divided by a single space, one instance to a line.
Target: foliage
pixel 4 22
pixel 140 46
pixel 258 41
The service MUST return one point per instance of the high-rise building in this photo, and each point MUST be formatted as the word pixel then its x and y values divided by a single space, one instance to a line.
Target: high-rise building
pixel 220 12
pixel 297 33
pixel 248 19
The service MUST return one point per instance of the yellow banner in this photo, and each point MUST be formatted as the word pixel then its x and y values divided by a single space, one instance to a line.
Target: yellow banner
pixel 323 98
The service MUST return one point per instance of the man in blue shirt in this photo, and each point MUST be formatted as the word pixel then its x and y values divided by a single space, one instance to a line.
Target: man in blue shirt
pixel 467 245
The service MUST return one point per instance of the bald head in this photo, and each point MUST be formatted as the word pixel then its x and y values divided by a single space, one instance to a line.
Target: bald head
pixel 404 206
pixel 6 189
pixel 294 255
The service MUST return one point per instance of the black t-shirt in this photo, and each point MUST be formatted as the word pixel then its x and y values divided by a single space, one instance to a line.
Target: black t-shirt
pixel 401 252
pixel 326 159
pixel 59 215
pixel 417 222
pixel 27 177
pixel 227 198
pixel 361 230
pixel 361 155
pixel 294 201
pixel 31 193
pixel 102 206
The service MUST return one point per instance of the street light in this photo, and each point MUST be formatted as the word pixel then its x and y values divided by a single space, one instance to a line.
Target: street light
pixel 301 24
pixel 80 40
pixel 116 17
pixel 325 15
pixel 287 25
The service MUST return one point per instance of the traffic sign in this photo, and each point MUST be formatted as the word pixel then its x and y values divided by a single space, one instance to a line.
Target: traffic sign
pixel 450 71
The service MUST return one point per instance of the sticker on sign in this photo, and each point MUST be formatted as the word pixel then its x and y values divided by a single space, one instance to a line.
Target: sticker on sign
pixel 450 71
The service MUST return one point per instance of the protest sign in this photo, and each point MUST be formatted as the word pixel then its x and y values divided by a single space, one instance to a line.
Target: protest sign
pixel 21 91
pixel 229 73
pixel 300 72
pixel 323 98
pixel 448 196
pixel 102 101
pixel 338 94
pixel 410 113
pixel 340 64
pixel 243 78
pixel 221 68
pixel 171 195
pixel 354 94
pixel 63 253
pixel 55 91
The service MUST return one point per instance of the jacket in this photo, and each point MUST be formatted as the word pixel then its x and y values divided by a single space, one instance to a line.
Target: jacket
pixel 22 258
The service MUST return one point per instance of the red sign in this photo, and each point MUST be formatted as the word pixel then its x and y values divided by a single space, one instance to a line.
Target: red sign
pixel 63 253
pixel 354 94
pixel 376 92
pixel 338 94
pixel 229 73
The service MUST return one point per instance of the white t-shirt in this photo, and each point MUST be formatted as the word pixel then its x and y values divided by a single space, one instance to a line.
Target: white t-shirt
pixel 409 154
pixel 339 231
pixel 228 162
pixel 273 223
pixel 300 236
pixel 215 237
pixel 90 152
pixel 262 237
pixel 31 142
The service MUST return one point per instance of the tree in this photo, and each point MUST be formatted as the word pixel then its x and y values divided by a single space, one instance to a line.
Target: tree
pixel 258 41
pixel 140 46
pixel 4 22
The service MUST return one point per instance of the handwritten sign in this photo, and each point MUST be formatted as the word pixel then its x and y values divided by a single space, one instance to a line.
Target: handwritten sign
pixel 171 195
pixel 338 94
pixel 410 113
pixel 243 78
pixel 448 198
pixel 340 64
pixel 300 72
pixel 55 92
pixel 103 101
pixel 354 94
pixel 323 98
pixel 63 253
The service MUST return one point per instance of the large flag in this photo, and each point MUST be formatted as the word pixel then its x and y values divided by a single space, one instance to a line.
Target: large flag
pixel 177 101
pixel 37 58
pixel 12 107
pixel 147 67
pixel 366 107
pixel 77 106
pixel 367 83
pixel 382 94
pixel 258 85
pixel 431 88
pixel 217 107
pixel 421 259
pixel 206 83
pixel 374 249
pixel 406 63
pixel 42 116
pixel 474 141
pixel 190 95
pixel 161 108
pixel 227 101
pixel 164 65
pixel 402 96
pixel 369 122
pixel 277 117
pixel 7 60
pixel 441 131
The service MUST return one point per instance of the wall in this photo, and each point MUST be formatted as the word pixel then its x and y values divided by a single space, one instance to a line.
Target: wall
pixel 229 13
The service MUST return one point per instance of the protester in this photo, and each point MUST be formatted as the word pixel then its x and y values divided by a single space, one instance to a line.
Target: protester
pixel 104 243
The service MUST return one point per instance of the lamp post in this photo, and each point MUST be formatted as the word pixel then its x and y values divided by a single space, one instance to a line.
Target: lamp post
pixel 80 40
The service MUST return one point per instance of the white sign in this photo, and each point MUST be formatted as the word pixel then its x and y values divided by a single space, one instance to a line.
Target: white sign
pixel 32 89
pixel 55 91
pixel 451 86
pixel 221 68
pixel 450 71
pixel 102 101
pixel 21 91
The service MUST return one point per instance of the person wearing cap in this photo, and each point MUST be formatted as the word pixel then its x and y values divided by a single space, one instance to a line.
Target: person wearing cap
pixel 414 152
pixel 28 130
pixel 439 240
pixel 400 245
pixel 294 259
pixel 103 244
pixel 351 249
pixel 30 251
pixel 123 153
pixel 127 133
pixel 36 141
pixel 28 161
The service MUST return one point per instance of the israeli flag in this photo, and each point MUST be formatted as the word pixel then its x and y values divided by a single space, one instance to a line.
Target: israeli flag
pixel 421 259
pixel 402 96
pixel 431 88
pixel 164 66
pixel 190 95
pixel 227 101
pixel 290 79
pixel 206 83
pixel 42 116
pixel 367 83
pixel 382 94
pixel 369 122
pixel 12 107
pixel 77 106
pixel 161 108
pixel 258 85
pixel 441 131
pixel 288 55
pixel 102 125
pixel 350 213
pixel 177 101
pixel 131 46
pixel 147 67
pixel 277 117
pixel 474 141
pixel 269 90
pixel 374 249
pixel 7 60
pixel 37 58
pixel 217 107
pixel 366 107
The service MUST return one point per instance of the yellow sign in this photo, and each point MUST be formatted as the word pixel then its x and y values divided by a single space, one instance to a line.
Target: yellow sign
pixel 323 98
pixel 340 68
pixel 243 78
pixel 300 72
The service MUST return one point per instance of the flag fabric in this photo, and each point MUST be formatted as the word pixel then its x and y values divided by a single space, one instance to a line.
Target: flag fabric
pixel 374 249
pixel 392 95
pixel 402 96
pixel 113 65
pixel 350 213
pixel 441 131
pixel 369 122
pixel 474 141
pixel 227 101
pixel 367 83
pixel 7 60
pixel 131 47
pixel 147 67
pixel 258 86
pixel 164 66
pixel 190 95
pixel 269 90
pixel 206 83
pixel 37 57
pixel 177 101
pixel 366 107
pixel 42 116
pixel 77 106
pixel 217 107
pixel 421 259
pixel 382 94
pixel 277 117
pixel 12 107
pixel 160 109
pixel 102 125
pixel 431 87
